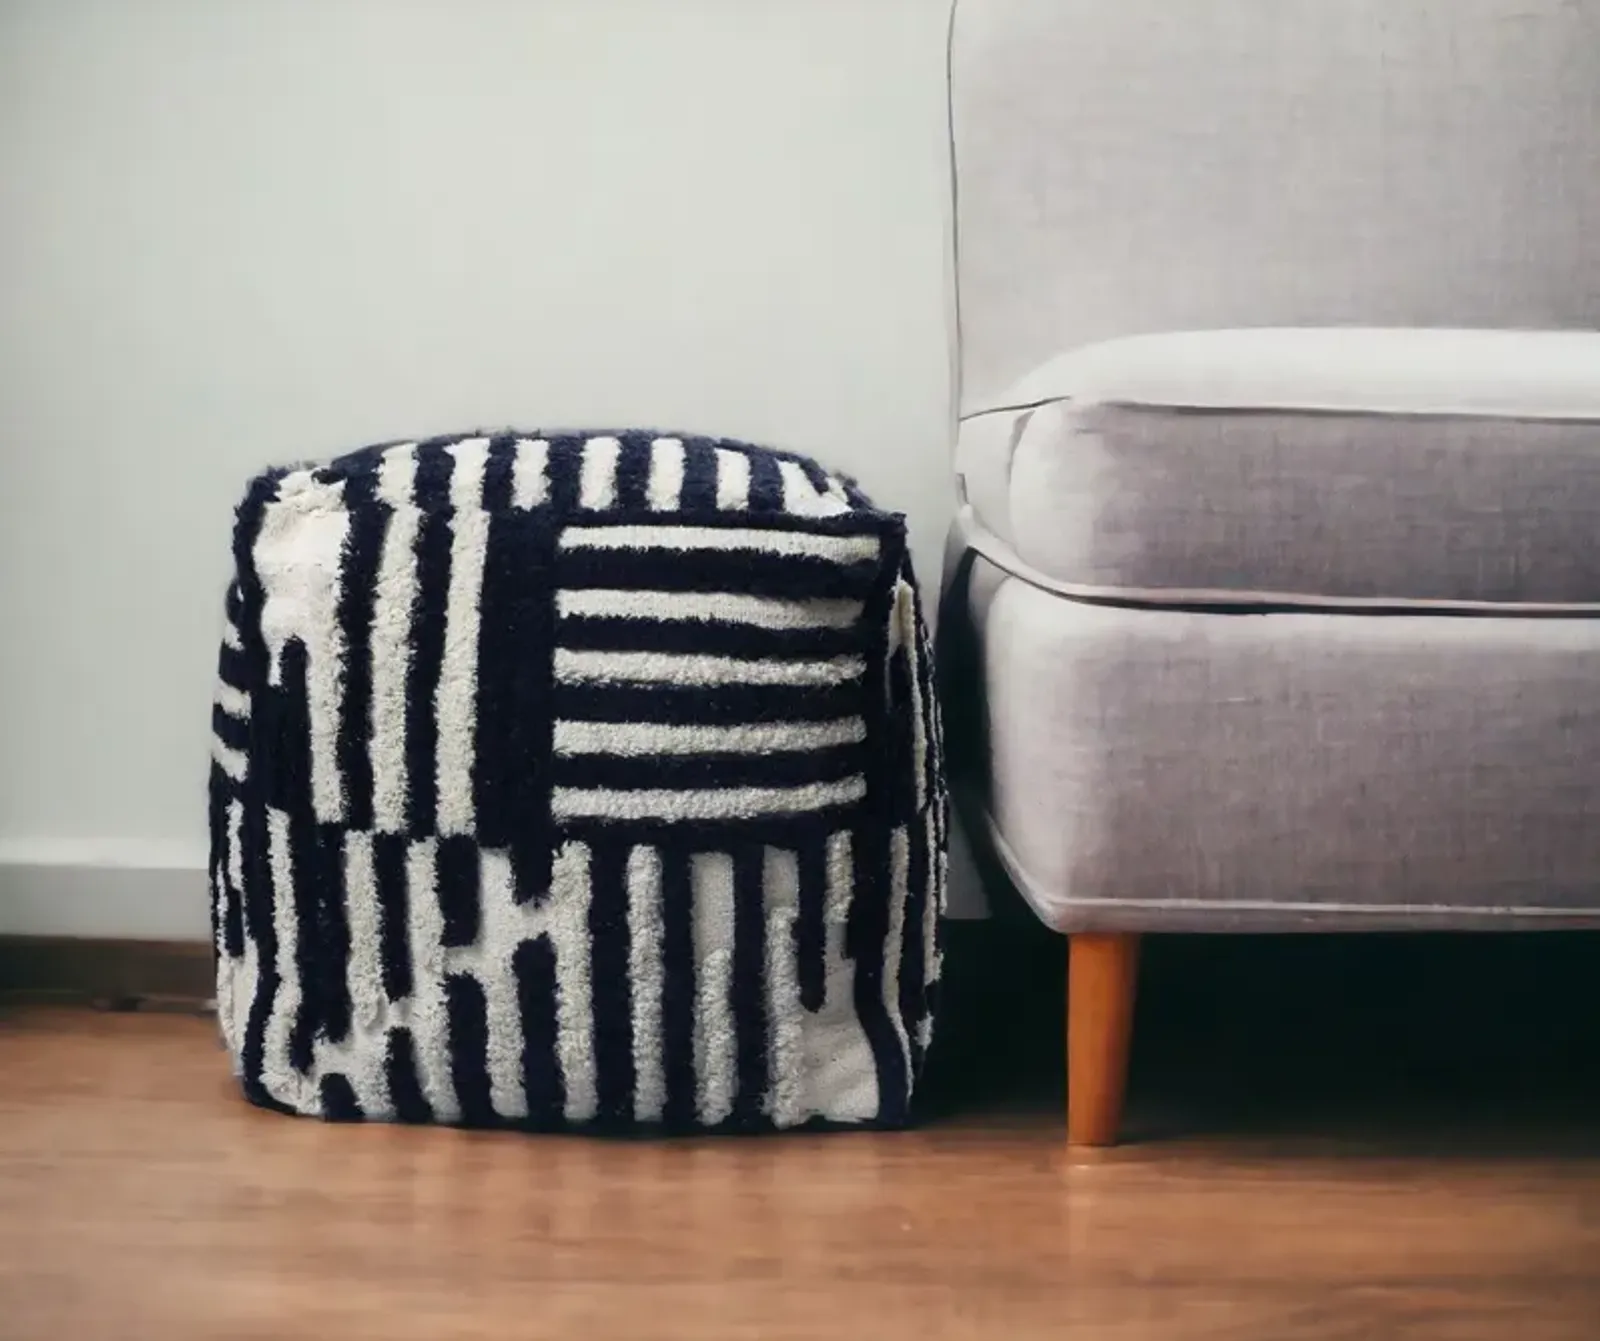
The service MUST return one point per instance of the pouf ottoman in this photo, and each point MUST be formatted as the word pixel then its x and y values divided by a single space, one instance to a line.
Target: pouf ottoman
pixel 572 780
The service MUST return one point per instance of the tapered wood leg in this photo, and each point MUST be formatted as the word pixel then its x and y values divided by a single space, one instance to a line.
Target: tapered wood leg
pixel 1102 971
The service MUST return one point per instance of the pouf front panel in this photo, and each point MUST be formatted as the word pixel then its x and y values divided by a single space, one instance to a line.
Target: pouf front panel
pixel 575 779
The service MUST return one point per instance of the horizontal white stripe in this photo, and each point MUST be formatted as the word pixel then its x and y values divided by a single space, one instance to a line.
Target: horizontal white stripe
pixel 234 702
pixel 839 548
pixel 718 607
pixel 230 635
pixel 718 803
pixel 231 761
pixel 633 739
pixel 674 668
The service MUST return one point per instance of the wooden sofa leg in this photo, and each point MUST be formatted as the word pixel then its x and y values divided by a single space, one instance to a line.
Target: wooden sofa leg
pixel 1102 970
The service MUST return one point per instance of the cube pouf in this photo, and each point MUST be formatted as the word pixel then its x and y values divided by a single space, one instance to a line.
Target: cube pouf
pixel 574 780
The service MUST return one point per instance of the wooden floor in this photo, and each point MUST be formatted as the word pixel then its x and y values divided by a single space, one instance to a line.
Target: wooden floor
pixel 140 1197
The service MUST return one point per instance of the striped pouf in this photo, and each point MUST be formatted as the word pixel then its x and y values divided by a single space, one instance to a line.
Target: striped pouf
pixel 575 780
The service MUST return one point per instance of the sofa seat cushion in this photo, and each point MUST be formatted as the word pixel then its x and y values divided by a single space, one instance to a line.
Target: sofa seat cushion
pixel 1162 770
pixel 1301 466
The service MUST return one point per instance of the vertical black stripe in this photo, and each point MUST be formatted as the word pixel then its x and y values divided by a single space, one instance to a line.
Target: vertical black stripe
pixel 339 1102
pixel 511 786
pixel 332 933
pixel 217 855
pixel 913 971
pixel 814 473
pixel 307 905
pixel 854 495
pixel 469 1048
pixel 394 935
pixel 534 964
pixel 497 476
pixel 699 493
pixel 533 720
pixel 633 472
pixel 902 737
pixel 930 839
pixel 262 931
pixel 457 876
pixel 766 483
pixel 405 1089
pixel 281 721
pixel 867 929
pixel 256 863
pixel 810 926
pixel 497 763
pixel 283 713
pixel 233 668
pixel 434 465
pixel 363 545
pixel 233 910
pixel 866 935
pixel 565 466
pixel 678 987
pixel 748 994
pixel 610 941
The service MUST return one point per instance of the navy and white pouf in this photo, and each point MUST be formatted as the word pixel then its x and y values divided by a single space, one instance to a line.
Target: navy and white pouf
pixel 575 779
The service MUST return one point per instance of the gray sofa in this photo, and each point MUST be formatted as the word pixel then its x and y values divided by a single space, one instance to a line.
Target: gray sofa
pixel 1275 584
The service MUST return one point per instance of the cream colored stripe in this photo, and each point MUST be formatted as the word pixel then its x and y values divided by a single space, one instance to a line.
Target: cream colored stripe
pixel 837 548
pixel 278 1076
pixel 429 1017
pixel 722 607
pixel 712 803
pixel 394 597
pixel 234 702
pixel 780 890
pixel 633 739
pixel 231 761
pixel 456 696
pixel 733 480
pixel 894 940
pixel 597 479
pixel 715 1044
pixel 530 484
pixel 646 978
pixel 666 475
pixel 567 921
pixel 575 667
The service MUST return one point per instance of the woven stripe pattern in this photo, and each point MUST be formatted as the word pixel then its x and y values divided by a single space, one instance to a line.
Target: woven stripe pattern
pixel 575 779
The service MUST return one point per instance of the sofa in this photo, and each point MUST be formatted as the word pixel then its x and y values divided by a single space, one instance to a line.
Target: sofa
pixel 1273 599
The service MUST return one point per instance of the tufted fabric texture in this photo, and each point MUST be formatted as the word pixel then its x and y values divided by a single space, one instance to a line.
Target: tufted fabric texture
pixel 575 779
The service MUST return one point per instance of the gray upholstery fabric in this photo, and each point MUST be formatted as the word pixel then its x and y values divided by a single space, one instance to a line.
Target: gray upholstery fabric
pixel 1128 166
pixel 1167 770
pixel 1146 165
pixel 1407 507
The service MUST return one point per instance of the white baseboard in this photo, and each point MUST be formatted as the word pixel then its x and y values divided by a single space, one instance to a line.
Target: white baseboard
pixel 107 900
